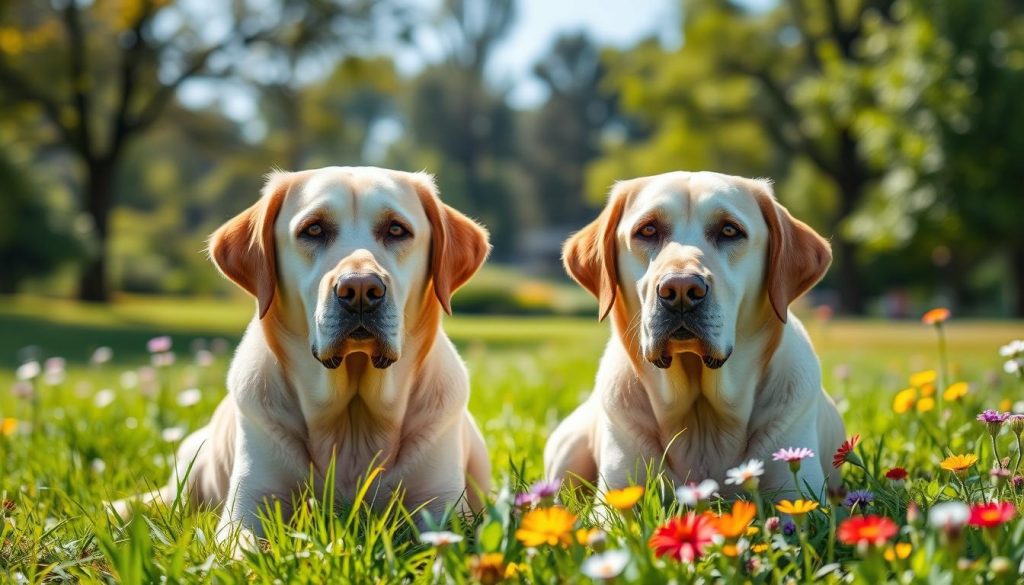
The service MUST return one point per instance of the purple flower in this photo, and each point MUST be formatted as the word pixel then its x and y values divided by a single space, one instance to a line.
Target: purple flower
pixel 993 416
pixel 526 500
pixel 789 528
pixel 545 490
pixel 859 498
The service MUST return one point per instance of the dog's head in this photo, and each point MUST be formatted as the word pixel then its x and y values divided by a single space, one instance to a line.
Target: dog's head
pixel 354 254
pixel 689 257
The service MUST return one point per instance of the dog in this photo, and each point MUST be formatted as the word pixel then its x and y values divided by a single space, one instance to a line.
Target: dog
pixel 706 366
pixel 345 360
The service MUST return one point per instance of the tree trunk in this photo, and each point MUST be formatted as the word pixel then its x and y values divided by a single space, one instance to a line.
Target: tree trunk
pixel 1017 270
pixel 99 199
pixel 851 292
pixel 851 179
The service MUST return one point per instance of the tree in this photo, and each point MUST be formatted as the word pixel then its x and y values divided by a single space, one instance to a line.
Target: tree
pixel 97 112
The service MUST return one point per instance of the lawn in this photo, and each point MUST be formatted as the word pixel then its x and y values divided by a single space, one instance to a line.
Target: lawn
pixel 99 435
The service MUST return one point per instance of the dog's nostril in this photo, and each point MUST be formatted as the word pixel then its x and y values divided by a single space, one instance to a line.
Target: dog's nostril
pixel 680 291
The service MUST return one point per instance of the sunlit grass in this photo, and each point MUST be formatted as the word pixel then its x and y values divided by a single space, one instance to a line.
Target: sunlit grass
pixel 527 373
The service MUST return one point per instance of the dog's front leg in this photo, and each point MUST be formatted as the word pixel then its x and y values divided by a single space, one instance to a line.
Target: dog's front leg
pixel 265 468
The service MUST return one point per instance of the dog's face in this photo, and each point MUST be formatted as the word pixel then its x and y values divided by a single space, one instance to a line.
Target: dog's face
pixel 693 256
pixel 352 254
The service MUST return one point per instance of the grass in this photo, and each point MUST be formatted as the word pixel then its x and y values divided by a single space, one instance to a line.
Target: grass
pixel 98 439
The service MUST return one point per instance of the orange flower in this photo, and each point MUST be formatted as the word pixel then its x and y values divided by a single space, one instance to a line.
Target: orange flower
pixel 488 568
pixel 625 498
pixel 936 316
pixel 8 426
pixel 959 463
pixel 549 526
pixel 734 524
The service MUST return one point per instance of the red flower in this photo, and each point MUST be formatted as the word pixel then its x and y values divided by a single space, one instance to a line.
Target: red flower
pixel 683 538
pixel 991 514
pixel 871 529
pixel 844 451
pixel 896 474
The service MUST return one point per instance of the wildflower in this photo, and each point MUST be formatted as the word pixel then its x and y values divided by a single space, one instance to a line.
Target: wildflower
pixel 991 514
pixel 904 400
pixel 896 474
pixel 955 391
pixel 693 493
pixel 788 528
pixel 590 536
pixel 1016 422
pixel 1012 366
pixel 949 517
pixel 923 378
pixel 796 508
pixel 841 372
pixel 8 426
pixel 760 547
pixel 162 360
pixel 625 498
pixel 551 526
pixel 98 466
pixel 607 565
pixel 160 344
pixel 926 404
pixel 901 551
pixel 204 358
pixel 190 397
pixel 527 500
pixel 771 524
pixel 53 370
pixel 487 568
pixel 173 434
pixel 746 474
pixel 23 390
pixel 684 538
pixel 845 453
pixel 101 355
pixel 440 538
pixel 793 456
pixel 545 491
pixel 959 463
pixel 936 316
pixel 867 530
pixel 1012 349
pixel 734 524
pixel 859 499
pixel 28 371
pixel 103 398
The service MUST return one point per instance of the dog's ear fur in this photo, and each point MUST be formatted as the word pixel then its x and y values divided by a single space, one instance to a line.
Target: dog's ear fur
pixel 243 248
pixel 797 256
pixel 458 245
pixel 589 255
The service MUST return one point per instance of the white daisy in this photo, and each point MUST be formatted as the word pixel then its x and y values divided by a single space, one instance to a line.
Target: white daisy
pixel 744 472
pixel 692 493
pixel 440 538
pixel 28 370
pixel 190 397
pixel 949 515
pixel 606 565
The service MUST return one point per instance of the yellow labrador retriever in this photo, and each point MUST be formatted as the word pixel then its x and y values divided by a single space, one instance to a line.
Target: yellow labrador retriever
pixel 345 356
pixel 706 364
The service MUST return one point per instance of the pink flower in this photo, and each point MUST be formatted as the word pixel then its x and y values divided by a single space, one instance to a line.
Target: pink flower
pixel 159 344
pixel 790 454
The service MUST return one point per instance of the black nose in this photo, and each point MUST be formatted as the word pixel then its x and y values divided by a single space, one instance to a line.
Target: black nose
pixel 681 291
pixel 360 292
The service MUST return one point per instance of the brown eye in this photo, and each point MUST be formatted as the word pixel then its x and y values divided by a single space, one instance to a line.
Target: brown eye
pixel 730 232
pixel 648 231
pixel 397 231
pixel 314 230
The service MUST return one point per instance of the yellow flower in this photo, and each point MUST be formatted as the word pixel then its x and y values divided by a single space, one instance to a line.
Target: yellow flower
pixel 955 391
pixel 901 550
pixel 588 536
pixel 759 547
pixel 1005 404
pixel 958 463
pixel 904 400
pixel 625 498
pixel 549 526
pixel 797 507
pixel 928 390
pixel 488 568
pixel 925 404
pixel 8 426
pixel 923 378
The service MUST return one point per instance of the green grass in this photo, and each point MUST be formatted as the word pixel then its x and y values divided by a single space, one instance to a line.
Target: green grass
pixel 527 372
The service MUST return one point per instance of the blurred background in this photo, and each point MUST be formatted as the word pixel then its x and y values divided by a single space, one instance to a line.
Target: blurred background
pixel 130 129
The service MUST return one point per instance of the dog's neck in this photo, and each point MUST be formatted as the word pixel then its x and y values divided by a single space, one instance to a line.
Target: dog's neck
pixel 689 397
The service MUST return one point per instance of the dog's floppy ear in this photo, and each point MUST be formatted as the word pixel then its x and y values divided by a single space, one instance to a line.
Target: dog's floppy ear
pixel 589 255
pixel 797 256
pixel 458 245
pixel 243 248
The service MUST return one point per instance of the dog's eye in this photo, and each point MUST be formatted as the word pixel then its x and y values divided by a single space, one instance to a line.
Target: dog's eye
pixel 648 231
pixel 397 231
pixel 313 230
pixel 730 231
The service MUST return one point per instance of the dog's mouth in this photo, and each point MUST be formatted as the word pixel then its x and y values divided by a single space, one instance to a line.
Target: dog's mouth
pixel 360 339
pixel 687 338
